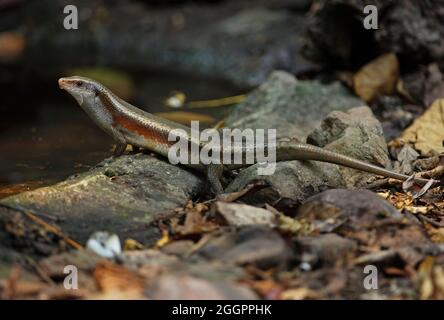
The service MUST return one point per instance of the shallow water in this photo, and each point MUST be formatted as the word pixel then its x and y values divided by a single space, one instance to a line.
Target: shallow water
pixel 45 137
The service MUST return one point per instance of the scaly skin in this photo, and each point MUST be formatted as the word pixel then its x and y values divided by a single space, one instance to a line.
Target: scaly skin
pixel 130 125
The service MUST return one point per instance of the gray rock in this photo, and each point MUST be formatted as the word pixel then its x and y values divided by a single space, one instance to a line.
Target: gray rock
pixel 296 108
pixel 354 208
pixel 324 249
pixel 179 264
pixel 258 245
pixel 178 248
pixel 54 265
pixel 121 195
pixel 296 180
pixel 356 133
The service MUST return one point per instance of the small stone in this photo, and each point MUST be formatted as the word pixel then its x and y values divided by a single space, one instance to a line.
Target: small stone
pixel 326 249
pixel 357 208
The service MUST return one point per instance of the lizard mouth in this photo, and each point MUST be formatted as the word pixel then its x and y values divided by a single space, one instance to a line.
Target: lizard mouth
pixel 66 84
pixel 62 83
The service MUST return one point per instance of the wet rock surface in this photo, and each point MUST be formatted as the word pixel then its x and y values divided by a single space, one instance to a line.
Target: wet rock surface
pixel 124 194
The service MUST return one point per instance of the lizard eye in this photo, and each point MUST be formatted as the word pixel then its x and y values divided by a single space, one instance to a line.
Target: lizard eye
pixel 79 83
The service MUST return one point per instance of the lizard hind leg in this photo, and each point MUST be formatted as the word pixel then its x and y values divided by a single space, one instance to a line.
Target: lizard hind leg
pixel 214 173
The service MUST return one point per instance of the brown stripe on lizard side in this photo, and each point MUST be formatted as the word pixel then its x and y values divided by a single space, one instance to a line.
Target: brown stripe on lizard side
pixel 150 133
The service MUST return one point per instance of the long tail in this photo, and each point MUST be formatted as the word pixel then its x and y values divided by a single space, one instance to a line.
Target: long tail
pixel 301 151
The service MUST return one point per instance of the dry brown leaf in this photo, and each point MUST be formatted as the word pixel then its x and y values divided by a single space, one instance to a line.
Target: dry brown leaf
pixel 405 201
pixel 195 221
pixel 426 133
pixel 268 289
pixel 242 214
pixel 400 200
pixel 435 234
pixel 378 76
pixel 117 282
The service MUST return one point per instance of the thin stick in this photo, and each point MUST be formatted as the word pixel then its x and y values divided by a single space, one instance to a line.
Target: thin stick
pixel 54 230
pixel 212 103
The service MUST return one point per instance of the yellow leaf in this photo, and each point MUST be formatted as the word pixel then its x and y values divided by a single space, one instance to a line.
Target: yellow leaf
pixel 131 244
pixel 426 133
pixel 164 240
pixel 378 76
pixel 186 117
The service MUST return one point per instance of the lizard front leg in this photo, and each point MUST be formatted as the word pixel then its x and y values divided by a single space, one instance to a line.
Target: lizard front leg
pixel 120 142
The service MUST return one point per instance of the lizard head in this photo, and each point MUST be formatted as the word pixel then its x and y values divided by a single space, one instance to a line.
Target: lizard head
pixel 83 89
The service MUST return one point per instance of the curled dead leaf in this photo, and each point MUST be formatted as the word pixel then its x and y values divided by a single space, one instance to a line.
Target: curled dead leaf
pixel 378 76
pixel 426 133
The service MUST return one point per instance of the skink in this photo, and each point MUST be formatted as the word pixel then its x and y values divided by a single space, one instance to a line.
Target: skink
pixel 127 124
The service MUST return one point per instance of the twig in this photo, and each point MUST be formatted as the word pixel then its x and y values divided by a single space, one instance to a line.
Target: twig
pixel 435 172
pixel 434 223
pixel 213 103
pixel 10 288
pixel 39 271
pixel 54 230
